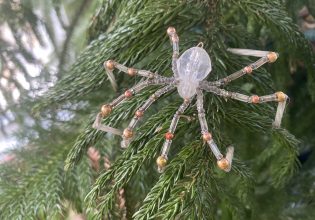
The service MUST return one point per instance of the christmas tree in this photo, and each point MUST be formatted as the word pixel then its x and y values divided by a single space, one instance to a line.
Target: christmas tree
pixel 62 165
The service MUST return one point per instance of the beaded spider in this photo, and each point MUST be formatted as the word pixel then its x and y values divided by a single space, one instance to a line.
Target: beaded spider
pixel 190 70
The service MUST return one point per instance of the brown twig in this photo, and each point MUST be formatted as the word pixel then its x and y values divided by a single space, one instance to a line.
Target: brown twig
pixel 95 156
pixel 70 31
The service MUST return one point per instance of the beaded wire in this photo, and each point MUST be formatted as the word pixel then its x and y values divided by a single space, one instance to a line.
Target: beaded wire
pixel 171 83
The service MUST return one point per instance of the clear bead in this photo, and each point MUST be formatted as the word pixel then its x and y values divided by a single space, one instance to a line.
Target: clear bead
pixel 193 66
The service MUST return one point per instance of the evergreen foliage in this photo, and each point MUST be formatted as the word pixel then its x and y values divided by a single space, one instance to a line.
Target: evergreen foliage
pixel 50 174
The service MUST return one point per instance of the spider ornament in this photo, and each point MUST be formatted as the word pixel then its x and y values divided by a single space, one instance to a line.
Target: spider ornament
pixel 190 70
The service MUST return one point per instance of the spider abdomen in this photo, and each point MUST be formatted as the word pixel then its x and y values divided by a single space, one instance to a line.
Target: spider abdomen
pixel 187 89
pixel 193 66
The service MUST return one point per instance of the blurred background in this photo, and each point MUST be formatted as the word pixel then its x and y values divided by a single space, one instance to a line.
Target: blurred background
pixel 39 40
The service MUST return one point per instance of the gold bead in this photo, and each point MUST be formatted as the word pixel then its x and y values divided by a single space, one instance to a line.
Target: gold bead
pixel 171 31
pixel 109 64
pixel 223 164
pixel 106 110
pixel 131 71
pixel 272 57
pixel 281 97
pixel 207 136
pixel 161 162
pixel 127 133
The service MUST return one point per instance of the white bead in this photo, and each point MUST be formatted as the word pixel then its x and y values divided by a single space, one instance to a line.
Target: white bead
pixel 187 89
pixel 193 66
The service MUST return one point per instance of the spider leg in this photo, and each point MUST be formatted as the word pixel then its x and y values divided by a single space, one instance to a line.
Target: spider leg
pixel 128 132
pixel 265 57
pixel 162 159
pixel 171 31
pixel 279 97
pixel 110 65
pixel 223 163
pixel 106 109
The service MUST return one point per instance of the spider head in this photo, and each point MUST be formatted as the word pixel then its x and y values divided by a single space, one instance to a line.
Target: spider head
pixel 193 66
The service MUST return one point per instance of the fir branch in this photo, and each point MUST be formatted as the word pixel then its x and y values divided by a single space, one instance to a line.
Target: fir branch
pixel 70 30
pixel 106 16
pixel 173 173
pixel 47 176
pixel 181 196
pixel 187 196
pixel 252 120
pixel 90 135
pixel 139 41
pixel 286 163
pixel 63 20
pixel 77 184
pixel 144 147
pixel 37 187
pixel 273 14
pixel 33 20
pixel 87 72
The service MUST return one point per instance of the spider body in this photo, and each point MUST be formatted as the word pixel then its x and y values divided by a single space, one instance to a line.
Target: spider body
pixel 190 71
pixel 193 66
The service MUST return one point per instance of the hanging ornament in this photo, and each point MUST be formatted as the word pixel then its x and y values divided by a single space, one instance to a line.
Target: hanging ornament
pixel 190 70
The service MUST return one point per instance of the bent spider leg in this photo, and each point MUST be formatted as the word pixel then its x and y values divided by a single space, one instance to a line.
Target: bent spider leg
pixel 279 97
pixel 280 109
pixel 266 56
pixel 162 159
pixel 110 65
pixel 171 31
pixel 98 125
pixel 128 132
pixel 106 109
pixel 224 163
